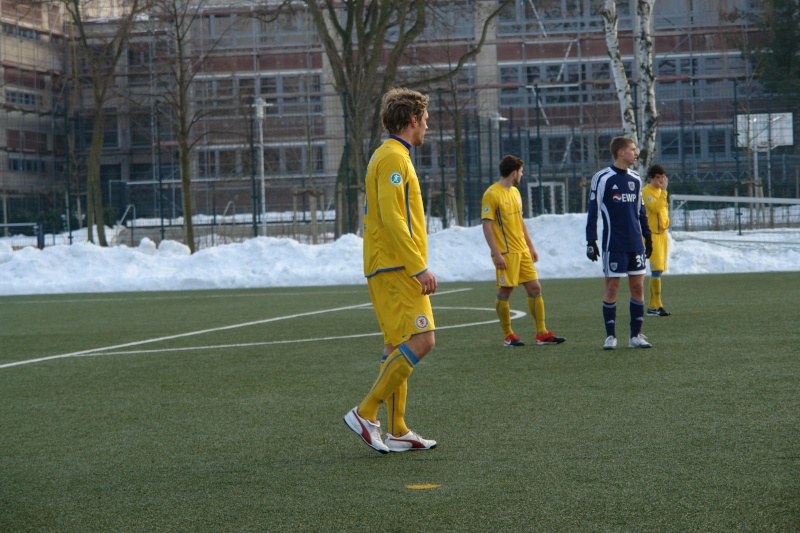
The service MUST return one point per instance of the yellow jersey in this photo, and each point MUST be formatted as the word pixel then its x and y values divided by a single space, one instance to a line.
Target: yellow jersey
pixel 394 218
pixel 504 207
pixel 657 207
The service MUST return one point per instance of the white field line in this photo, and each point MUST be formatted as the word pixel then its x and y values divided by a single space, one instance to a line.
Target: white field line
pixel 97 351
pixel 514 315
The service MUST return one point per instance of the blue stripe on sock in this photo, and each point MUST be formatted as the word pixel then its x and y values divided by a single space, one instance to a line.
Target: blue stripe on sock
pixel 410 356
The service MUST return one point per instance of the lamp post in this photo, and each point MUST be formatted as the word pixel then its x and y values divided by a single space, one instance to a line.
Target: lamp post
pixel 160 175
pixel 441 160
pixel 253 178
pixel 260 105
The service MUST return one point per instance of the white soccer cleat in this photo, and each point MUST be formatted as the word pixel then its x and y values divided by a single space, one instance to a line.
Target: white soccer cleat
pixel 639 341
pixel 611 343
pixel 370 432
pixel 409 441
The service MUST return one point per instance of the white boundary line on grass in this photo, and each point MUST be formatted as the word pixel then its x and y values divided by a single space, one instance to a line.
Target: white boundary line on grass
pixel 105 350
pixel 514 315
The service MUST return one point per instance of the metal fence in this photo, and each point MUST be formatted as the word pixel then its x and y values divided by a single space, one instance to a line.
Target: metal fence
pixel 562 134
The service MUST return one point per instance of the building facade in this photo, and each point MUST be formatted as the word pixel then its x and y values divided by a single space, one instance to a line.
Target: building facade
pixel 541 87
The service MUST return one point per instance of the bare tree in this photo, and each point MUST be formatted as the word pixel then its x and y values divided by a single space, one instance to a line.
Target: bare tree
pixel 365 43
pixel 180 25
pixel 101 53
pixel 646 136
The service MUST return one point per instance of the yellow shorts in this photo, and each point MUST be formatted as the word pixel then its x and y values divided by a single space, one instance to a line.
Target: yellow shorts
pixel 658 259
pixel 519 269
pixel 401 308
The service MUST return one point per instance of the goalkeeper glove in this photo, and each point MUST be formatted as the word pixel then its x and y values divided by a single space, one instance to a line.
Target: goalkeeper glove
pixel 648 245
pixel 591 250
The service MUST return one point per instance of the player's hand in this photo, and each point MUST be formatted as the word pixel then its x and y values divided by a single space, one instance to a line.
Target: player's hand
pixel 648 245
pixel 428 282
pixel 499 261
pixel 591 250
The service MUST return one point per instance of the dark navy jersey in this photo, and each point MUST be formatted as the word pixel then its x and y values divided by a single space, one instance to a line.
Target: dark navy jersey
pixel 617 196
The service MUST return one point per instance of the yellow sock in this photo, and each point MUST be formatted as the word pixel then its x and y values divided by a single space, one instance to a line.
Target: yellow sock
pixel 394 371
pixel 536 308
pixel 396 407
pixel 655 292
pixel 504 314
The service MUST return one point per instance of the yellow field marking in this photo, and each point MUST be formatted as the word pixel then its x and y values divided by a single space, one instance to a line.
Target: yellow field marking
pixel 423 486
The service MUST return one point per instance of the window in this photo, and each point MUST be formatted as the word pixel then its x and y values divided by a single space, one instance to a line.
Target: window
pixel 141 133
pixel 716 142
pixel 509 75
pixel 22 33
pixel 557 148
pixel 669 144
pixel 293 157
pixel 110 132
pixel 27 165
pixel 138 55
pixel 292 94
pixel 23 99
pixel 247 89
pixel 141 172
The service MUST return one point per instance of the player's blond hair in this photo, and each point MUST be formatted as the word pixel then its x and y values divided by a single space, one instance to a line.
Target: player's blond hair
pixel 619 143
pixel 399 105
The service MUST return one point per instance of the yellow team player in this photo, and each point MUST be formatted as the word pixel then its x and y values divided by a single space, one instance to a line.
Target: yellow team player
pixel 395 265
pixel 657 207
pixel 512 250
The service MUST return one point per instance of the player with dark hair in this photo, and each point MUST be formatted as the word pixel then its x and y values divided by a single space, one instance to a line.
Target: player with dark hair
pixel 657 207
pixel 513 253
pixel 616 195
pixel 395 265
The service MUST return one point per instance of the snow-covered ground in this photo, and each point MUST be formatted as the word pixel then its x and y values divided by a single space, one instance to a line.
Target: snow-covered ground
pixel 456 254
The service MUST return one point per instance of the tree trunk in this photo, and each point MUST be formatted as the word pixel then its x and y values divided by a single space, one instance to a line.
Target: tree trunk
pixel 93 189
pixel 647 141
pixel 459 142
pixel 186 194
pixel 645 136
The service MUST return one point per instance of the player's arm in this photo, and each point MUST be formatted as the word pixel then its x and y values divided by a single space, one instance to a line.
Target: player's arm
pixel 591 218
pixel 393 202
pixel 643 220
pixel 534 253
pixel 663 217
pixel 488 234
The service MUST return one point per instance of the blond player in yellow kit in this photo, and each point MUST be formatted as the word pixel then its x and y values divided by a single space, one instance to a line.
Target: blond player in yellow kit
pixel 513 252
pixel 395 265
pixel 656 204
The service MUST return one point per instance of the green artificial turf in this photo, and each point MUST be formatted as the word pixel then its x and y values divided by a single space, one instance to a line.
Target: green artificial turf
pixel 233 421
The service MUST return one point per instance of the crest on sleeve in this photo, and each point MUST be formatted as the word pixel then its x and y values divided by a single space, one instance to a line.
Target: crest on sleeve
pixel 396 178
pixel 486 209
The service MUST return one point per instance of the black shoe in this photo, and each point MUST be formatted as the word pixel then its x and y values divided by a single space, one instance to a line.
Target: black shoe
pixel 658 312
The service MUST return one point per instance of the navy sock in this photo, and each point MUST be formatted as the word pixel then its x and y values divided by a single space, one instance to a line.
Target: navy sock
pixel 610 318
pixel 637 317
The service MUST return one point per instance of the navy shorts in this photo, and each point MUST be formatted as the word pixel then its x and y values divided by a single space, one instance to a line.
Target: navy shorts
pixel 621 264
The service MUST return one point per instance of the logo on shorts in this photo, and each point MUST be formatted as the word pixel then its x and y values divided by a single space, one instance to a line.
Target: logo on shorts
pixel 421 322
pixel 502 280
pixel 396 178
pixel 613 266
